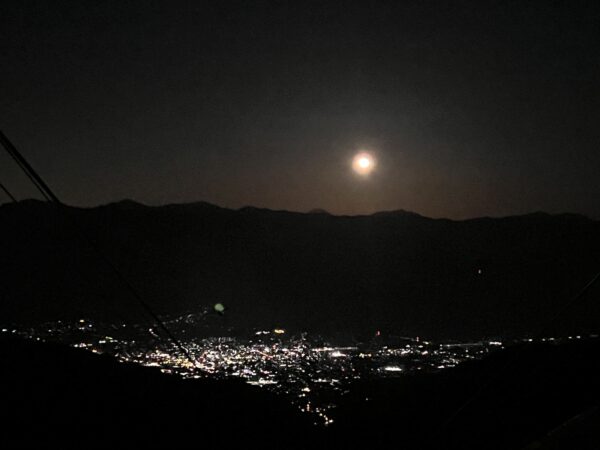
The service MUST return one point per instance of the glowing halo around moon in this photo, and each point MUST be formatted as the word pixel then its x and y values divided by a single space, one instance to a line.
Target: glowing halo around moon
pixel 363 163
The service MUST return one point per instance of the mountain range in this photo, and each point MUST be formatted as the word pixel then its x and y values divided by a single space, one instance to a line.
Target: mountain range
pixel 395 272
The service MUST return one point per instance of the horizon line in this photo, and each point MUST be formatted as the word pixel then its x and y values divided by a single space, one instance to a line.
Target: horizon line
pixel 313 211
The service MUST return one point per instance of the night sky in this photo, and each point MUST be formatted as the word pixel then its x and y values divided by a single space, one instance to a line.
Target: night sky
pixel 470 108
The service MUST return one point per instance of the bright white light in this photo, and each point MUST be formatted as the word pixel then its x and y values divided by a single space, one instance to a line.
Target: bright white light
pixel 363 163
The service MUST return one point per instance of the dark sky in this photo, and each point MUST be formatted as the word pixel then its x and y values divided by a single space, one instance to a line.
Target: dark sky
pixel 471 108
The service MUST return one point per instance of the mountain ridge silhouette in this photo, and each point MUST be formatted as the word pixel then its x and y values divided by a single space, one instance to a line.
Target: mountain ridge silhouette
pixel 399 272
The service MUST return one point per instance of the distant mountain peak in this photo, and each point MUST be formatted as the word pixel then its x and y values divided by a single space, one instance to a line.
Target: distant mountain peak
pixel 319 211
pixel 126 203
pixel 398 212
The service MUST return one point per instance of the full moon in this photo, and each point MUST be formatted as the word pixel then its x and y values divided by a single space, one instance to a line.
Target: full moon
pixel 363 163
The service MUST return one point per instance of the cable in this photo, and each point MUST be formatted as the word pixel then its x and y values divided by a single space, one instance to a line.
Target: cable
pixel 52 198
pixel 26 168
pixel 7 192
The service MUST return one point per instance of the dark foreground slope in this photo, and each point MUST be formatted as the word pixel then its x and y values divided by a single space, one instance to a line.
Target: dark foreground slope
pixel 540 396
pixel 528 396
pixel 59 395
pixel 397 271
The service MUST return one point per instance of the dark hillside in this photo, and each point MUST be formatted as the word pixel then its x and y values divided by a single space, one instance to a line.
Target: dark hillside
pixel 393 271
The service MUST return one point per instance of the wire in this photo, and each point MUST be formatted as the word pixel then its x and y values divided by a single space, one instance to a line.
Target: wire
pixel 52 198
pixel 26 168
pixel 7 192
